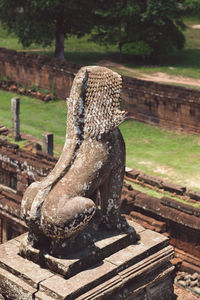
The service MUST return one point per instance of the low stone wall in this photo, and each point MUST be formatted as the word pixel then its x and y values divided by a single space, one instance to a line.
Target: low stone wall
pixel 11 224
pixel 164 105
pixel 46 72
pixel 177 222
pixel 160 184
pixel 19 168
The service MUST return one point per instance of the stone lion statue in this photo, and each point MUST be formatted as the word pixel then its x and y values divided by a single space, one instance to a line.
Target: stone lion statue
pixel 91 168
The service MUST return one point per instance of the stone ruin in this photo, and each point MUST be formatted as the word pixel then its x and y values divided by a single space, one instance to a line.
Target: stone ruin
pixel 18 169
pixel 88 174
pixel 79 246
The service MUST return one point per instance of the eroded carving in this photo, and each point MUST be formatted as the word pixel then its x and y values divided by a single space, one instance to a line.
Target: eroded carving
pixel 91 168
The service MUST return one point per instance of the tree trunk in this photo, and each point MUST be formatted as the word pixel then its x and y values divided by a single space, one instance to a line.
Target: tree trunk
pixel 59 50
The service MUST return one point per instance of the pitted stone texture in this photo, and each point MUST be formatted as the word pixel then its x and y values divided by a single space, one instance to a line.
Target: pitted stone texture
pixel 42 296
pixel 126 273
pixel 79 283
pixel 149 243
pixel 15 288
pixel 91 168
pixel 31 273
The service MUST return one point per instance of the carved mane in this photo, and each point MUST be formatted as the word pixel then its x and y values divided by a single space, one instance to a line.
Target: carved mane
pixel 97 91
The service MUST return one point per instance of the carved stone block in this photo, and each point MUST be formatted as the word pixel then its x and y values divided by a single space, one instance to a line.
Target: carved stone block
pixel 132 271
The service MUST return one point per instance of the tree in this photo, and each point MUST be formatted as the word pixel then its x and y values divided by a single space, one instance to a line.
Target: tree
pixel 192 7
pixel 142 27
pixel 192 4
pixel 45 20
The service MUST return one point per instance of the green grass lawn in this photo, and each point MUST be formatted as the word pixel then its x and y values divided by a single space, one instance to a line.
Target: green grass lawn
pixel 36 117
pixel 158 152
pixel 173 156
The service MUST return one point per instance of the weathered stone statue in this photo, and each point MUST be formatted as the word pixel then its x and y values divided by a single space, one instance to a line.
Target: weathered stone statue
pixel 69 253
pixel 91 168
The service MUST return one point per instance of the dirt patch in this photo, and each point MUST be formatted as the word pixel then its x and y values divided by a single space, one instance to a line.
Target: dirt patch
pixel 196 26
pixel 164 77
pixel 34 50
pixel 156 77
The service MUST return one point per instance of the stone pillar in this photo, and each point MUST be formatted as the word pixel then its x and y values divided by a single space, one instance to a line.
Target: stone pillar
pixel 48 143
pixel 15 106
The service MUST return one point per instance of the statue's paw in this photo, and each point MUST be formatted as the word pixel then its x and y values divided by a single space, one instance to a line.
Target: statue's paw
pixel 120 224
pixel 63 247
pixel 38 241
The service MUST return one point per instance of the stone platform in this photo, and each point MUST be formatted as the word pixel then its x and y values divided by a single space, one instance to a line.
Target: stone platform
pixel 114 269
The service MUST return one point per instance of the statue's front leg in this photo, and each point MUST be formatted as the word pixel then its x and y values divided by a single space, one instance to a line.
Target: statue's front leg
pixel 110 196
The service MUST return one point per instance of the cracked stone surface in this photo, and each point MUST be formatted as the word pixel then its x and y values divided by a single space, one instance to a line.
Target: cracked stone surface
pixel 190 282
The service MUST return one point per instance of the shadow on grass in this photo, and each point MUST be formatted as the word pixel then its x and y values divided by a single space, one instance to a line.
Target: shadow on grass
pixel 187 58
pixel 91 58
pixel 84 58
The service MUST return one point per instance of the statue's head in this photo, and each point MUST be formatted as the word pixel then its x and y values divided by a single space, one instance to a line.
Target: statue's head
pixel 94 103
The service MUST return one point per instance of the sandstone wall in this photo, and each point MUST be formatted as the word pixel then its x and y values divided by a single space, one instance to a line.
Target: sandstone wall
pixel 177 222
pixel 19 168
pixel 43 71
pixel 164 105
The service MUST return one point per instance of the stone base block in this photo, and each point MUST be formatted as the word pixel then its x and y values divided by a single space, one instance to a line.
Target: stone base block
pixel 132 271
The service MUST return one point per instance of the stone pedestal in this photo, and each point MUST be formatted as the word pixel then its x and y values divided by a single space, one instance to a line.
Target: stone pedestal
pixel 113 269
